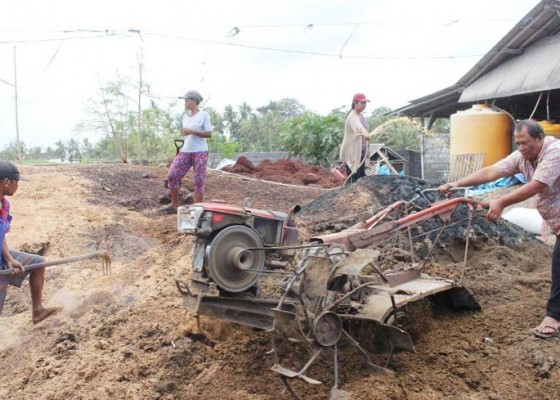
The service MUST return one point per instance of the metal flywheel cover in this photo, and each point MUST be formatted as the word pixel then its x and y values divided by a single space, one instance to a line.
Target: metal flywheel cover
pixel 228 262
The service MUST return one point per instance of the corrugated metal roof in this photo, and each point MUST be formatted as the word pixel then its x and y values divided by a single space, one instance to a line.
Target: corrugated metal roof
pixel 541 22
pixel 537 69
pixel 439 104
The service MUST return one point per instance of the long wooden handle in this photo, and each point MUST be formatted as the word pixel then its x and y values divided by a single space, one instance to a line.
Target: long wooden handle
pixel 102 254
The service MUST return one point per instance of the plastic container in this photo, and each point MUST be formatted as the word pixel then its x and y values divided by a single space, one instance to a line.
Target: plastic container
pixel 550 128
pixel 481 130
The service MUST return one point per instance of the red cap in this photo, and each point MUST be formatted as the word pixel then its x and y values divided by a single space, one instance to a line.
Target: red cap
pixel 359 97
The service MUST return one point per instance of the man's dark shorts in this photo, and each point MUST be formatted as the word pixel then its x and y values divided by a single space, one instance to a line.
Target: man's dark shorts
pixel 16 280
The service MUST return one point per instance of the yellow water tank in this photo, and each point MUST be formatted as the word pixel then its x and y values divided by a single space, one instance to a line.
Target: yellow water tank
pixel 550 128
pixel 481 130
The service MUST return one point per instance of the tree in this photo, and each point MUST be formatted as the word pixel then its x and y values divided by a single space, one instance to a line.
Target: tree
pixel 219 141
pixel 272 117
pixel 313 137
pixel 230 121
pixel 378 117
pixel 218 121
pixel 400 133
pixel 104 148
pixel 60 150
pixel 112 116
pixel 115 115
pixel 159 129
pixel 49 152
pixel 260 130
pixel 286 108
pixel 87 151
pixel 10 151
pixel 35 153
pixel 73 150
pixel 441 125
pixel 233 121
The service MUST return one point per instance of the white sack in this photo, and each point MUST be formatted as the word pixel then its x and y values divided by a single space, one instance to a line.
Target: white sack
pixel 527 218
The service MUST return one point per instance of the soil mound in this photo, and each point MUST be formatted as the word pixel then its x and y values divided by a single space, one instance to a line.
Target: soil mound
pixel 285 171
pixel 343 207
pixel 242 165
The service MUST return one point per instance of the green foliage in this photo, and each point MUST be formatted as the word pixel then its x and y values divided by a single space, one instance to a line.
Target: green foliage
pixel 60 150
pixel 220 144
pixel 399 133
pixel 10 151
pixel 259 130
pixel 313 137
pixel 129 132
pixel 378 117
pixel 233 119
pixel 73 150
pixel 111 114
pixel 159 127
pixel 285 108
pixel 441 125
pixel 217 121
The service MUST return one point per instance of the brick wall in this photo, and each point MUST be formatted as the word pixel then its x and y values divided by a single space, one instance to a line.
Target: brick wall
pixel 436 156
pixel 413 166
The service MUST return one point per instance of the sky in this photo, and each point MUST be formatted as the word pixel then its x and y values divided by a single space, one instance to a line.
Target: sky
pixel 319 52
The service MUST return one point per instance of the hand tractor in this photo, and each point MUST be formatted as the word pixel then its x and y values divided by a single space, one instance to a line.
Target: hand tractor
pixel 249 268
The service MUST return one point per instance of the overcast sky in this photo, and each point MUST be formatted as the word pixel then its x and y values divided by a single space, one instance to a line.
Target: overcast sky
pixel 319 52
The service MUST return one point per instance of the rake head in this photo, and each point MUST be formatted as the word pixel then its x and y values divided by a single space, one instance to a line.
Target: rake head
pixel 105 263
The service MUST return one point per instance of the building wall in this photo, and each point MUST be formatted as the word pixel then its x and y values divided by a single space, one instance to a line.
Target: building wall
pixel 436 157
pixel 413 167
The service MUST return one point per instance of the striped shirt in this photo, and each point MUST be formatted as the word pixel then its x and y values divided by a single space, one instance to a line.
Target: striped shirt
pixel 547 171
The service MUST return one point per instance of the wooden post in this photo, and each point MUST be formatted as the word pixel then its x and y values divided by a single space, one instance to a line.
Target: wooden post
pixel 387 162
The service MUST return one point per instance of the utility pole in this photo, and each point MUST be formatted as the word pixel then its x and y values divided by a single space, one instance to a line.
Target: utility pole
pixel 140 88
pixel 140 66
pixel 18 146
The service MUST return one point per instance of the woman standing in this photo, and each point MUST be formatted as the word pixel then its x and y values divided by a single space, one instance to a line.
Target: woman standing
pixel 194 153
pixel 354 152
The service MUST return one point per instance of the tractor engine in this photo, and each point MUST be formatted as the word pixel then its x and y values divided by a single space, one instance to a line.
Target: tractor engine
pixel 234 244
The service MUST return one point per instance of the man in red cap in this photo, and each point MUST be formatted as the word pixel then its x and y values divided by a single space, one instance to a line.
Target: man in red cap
pixel 354 152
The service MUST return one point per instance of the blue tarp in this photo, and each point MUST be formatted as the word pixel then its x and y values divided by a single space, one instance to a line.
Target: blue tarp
pixel 517 179
pixel 384 170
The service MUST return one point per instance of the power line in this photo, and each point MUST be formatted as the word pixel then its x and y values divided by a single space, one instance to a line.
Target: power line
pixel 248 46
pixel 7 83
pixel 61 39
pixel 312 53
pixel 380 22
pixel 441 23
pixel 112 33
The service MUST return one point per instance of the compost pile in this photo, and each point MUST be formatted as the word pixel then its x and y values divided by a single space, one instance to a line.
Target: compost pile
pixel 127 335
pixel 371 194
pixel 285 171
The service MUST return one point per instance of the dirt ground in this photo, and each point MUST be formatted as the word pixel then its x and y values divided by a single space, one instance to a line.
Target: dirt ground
pixel 127 335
